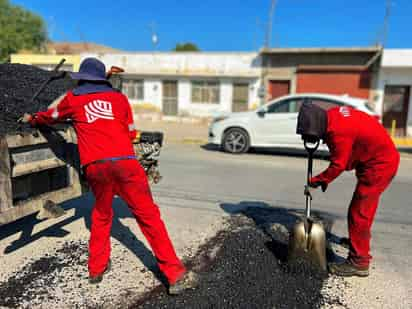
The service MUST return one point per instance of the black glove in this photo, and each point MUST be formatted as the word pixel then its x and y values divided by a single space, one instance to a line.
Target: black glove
pixel 316 184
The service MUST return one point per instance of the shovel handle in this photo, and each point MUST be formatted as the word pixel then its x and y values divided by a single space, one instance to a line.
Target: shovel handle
pixel 53 75
pixel 311 150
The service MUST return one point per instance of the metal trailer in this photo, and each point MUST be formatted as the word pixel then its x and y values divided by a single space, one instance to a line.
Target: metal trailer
pixel 36 168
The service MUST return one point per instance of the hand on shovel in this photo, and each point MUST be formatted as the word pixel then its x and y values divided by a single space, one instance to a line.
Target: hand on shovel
pixel 314 185
pixel 26 118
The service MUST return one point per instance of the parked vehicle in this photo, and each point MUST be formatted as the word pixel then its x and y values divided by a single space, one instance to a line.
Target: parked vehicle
pixel 274 124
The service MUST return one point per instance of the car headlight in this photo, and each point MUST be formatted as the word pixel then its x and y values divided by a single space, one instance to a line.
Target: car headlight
pixel 217 119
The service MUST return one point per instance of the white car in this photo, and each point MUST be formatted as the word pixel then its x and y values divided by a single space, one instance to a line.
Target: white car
pixel 274 124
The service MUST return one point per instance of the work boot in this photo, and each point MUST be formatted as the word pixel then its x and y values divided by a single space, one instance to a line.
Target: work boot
pixel 190 280
pixel 348 269
pixel 98 278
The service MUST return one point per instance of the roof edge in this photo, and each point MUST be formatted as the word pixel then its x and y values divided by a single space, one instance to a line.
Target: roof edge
pixel 320 50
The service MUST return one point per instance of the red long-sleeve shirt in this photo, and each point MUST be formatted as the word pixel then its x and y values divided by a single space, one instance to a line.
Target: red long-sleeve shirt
pixel 355 140
pixel 103 123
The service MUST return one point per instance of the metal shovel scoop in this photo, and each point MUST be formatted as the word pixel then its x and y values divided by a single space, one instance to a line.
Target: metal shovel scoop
pixel 308 239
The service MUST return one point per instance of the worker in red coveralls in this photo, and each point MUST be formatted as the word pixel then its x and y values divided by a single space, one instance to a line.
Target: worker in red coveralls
pixel 103 121
pixel 356 141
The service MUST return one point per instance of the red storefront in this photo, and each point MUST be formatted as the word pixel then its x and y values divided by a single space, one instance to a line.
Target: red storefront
pixel 353 81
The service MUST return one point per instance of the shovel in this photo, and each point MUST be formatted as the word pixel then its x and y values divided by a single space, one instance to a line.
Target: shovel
pixel 308 239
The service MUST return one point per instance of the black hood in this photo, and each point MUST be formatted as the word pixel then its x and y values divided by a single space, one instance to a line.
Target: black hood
pixel 312 122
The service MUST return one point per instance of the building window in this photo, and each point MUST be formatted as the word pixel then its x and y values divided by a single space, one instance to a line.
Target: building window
pixel 133 89
pixel 205 92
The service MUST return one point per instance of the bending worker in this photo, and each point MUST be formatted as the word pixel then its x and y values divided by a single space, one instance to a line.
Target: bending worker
pixel 105 130
pixel 356 141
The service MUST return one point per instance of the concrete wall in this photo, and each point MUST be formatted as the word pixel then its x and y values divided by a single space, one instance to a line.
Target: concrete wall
pixel 396 69
pixel 394 76
pixel 282 60
pixel 397 58
pixel 153 68
pixel 187 64
pixel 39 60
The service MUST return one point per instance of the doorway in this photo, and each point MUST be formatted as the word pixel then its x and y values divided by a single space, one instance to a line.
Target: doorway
pixel 278 88
pixel 170 98
pixel 395 108
pixel 240 97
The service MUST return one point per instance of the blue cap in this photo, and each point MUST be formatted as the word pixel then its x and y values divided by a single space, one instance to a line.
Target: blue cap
pixel 90 69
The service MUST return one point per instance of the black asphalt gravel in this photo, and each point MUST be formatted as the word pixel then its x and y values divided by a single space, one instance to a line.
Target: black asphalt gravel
pixel 35 281
pixel 248 271
pixel 18 83
pixel 243 266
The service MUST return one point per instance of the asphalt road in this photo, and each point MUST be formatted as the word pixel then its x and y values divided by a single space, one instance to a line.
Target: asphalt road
pixel 203 178
pixel 200 186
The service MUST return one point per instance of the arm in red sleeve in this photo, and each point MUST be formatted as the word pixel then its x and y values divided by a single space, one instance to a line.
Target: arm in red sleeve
pixel 340 148
pixel 61 112
pixel 130 123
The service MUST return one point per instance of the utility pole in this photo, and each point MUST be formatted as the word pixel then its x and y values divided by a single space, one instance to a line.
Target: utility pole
pixel 270 24
pixel 268 39
pixel 386 23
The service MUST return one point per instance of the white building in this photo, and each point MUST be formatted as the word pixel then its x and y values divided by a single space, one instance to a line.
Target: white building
pixel 196 83
pixel 394 90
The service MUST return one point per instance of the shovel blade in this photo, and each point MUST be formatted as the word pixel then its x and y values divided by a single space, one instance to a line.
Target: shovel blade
pixel 308 241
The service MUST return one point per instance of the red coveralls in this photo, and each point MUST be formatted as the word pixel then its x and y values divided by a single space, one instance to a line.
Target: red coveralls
pixel 358 141
pixel 104 126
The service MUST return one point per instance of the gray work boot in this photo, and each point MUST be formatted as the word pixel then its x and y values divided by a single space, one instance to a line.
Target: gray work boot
pixel 190 280
pixel 348 269
pixel 98 278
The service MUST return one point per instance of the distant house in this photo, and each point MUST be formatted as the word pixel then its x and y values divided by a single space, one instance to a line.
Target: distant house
pixel 196 83
pixel 338 71
pixel 58 50
pixel 394 100
pixel 71 48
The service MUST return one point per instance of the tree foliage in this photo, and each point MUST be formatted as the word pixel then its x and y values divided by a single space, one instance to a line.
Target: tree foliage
pixel 19 29
pixel 184 47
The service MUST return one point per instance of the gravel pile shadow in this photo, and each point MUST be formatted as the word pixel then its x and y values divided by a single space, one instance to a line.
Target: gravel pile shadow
pixel 18 83
pixel 244 267
pixel 34 283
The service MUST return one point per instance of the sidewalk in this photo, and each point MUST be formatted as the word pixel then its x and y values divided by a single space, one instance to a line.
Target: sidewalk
pixel 177 132
pixel 191 131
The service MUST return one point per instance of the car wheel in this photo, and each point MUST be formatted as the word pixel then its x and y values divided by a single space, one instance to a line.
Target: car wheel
pixel 236 141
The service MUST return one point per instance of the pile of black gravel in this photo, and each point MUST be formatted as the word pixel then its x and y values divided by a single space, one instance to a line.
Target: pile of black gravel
pixel 247 273
pixel 35 281
pixel 18 83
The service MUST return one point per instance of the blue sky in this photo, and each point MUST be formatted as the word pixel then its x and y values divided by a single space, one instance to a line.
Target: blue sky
pixel 224 25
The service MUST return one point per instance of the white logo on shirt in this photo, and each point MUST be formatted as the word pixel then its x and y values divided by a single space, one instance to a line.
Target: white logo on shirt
pixel 98 109
pixel 345 111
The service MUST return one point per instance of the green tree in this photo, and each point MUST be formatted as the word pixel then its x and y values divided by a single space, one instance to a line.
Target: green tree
pixel 19 29
pixel 184 47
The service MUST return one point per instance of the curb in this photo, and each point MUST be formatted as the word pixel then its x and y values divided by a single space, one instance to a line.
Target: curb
pixel 187 141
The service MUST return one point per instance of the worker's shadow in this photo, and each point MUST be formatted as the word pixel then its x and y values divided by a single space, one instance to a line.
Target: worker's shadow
pixel 278 222
pixel 82 209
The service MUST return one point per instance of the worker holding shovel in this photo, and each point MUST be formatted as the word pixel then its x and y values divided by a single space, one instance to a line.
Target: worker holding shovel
pixel 356 141
pixel 103 121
